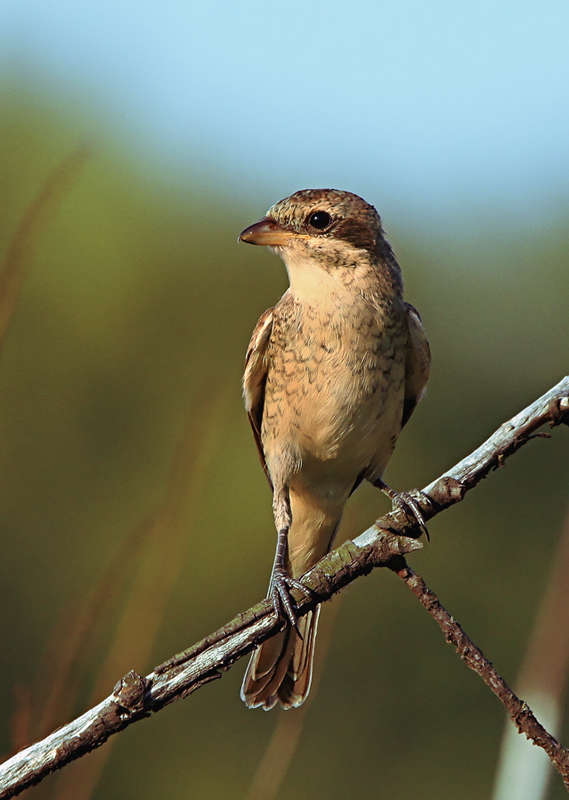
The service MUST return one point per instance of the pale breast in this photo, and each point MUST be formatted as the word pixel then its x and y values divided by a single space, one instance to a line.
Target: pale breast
pixel 334 390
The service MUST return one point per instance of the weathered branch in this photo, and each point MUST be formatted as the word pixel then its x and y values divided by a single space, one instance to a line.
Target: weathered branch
pixel 135 697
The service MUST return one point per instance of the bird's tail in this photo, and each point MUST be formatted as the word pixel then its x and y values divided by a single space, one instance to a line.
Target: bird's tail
pixel 280 670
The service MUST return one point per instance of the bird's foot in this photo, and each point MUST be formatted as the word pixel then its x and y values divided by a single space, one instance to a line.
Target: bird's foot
pixel 405 502
pixel 279 593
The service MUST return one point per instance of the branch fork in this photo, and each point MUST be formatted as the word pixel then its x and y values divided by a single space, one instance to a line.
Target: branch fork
pixel 384 544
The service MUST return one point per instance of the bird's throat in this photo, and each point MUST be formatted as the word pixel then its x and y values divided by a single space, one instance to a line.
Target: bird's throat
pixel 318 281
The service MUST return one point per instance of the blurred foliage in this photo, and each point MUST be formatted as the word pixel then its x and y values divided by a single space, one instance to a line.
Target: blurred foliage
pixel 129 332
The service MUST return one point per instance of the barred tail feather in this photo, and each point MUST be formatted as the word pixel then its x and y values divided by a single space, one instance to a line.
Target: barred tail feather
pixel 280 670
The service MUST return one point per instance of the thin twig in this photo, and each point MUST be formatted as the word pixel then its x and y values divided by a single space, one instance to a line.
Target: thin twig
pixel 135 697
pixel 519 711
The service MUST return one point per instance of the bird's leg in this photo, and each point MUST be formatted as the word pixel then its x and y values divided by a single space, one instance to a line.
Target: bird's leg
pixel 281 582
pixel 405 502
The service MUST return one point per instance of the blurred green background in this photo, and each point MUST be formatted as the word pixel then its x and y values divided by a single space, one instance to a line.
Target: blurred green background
pixel 134 515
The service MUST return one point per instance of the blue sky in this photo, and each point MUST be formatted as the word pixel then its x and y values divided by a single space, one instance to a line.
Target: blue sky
pixel 426 105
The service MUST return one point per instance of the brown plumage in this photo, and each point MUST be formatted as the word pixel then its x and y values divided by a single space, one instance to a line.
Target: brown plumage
pixel 332 374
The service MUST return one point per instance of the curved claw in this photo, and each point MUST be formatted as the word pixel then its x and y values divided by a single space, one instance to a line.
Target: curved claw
pixel 411 507
pixel 279 593
pixel 405 502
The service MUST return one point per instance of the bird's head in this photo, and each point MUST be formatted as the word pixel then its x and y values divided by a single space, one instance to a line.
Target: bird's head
pixel 328 227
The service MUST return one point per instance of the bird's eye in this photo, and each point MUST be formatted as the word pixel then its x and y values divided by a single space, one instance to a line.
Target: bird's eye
pixel 319 220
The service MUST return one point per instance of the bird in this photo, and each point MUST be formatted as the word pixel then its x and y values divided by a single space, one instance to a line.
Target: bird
pixel 332 374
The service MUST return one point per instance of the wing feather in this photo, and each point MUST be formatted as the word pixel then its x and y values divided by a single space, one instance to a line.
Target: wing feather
pixel 255 378
pixel 417 365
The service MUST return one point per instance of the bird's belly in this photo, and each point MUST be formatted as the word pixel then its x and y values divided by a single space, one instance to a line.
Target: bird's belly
pixel 335 423
pixel 352 428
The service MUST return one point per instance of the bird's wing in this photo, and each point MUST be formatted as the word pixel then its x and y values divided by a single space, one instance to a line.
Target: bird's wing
pixel 255 377
pixel 417 365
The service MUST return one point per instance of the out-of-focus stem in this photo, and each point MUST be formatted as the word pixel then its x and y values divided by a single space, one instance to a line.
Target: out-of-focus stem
pixel 31 226
pixel 524 771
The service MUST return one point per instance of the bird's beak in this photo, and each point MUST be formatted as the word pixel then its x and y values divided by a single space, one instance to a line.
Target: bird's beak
pixel 266 231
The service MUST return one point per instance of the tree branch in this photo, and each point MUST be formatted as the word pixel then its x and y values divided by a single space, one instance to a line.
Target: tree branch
pixel 519 711
pixel 384 544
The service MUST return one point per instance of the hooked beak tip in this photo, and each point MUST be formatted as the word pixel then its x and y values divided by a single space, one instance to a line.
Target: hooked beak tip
pixel 264 232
